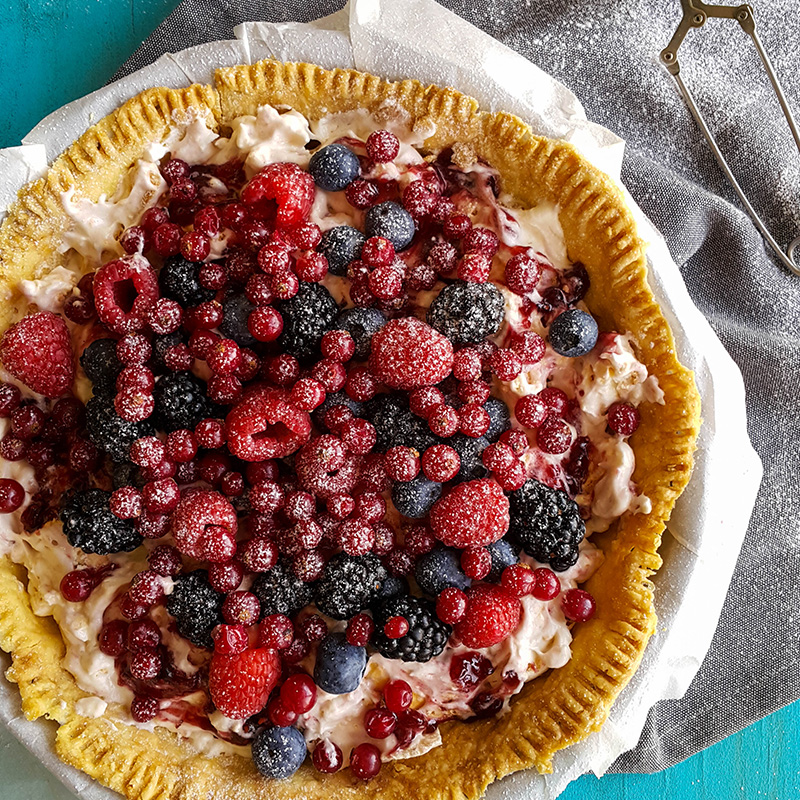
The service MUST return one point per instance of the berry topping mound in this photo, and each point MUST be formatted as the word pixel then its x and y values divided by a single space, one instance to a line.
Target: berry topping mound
pixel 320 443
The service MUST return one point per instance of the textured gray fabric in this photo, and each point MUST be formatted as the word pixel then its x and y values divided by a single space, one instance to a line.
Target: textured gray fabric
pixel 606 52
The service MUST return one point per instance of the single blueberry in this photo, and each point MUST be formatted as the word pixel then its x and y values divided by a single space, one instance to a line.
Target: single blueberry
pixel 573 333
pixel 334 167
pixel 340 665
pixel 391 221
pixel 416 498
pixel 393 586
pixel 440 569
pixel 499 418
pixel 341 245
pixel 279 752
pixel 362 324
pixel 503 554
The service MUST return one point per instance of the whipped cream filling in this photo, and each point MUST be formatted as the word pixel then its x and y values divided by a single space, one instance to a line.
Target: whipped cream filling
pixel 609 374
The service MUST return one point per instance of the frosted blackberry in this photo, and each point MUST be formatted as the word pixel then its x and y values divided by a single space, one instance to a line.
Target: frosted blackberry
pixel 306 318
pixel 427 634
pixel 279 591
pixel 348 585
pixel 196 606
pixel 440 569
pixel 235 311
pixel 499 418
pixel 391 221
pixel 181 401
pixel 334 167
pixel 89 524
pixel 101 365
pixel 573 333
pixel 395 424
pixel 340 246
pixel 467 312
pixel 546 523
pixel 179 280
pixel 469 451
pixel 415 498
pixel 111 433
pixel 362 324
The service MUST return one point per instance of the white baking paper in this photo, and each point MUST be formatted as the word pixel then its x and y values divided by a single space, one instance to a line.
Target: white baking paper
pixel 419 39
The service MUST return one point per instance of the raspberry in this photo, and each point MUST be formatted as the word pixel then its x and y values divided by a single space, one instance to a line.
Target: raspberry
pixel 424 400
pixel 474 420
pixel 451 605
pixel 443 420
pixel 623 418
pixel 265 425
pixel 286 184
pixel 440 463
pixel 198 510
pixel 472 514
pixel 578 605
pixel 146 664
pixel 531 411
pixel 265 324
pixel 505 364
pixel 475 267
pixel 407 353
pixel 481 240
pixel 382 146
pixel 522 273
pixel 546 586
pixel 359 629
pixel 324 469
pixel 401 463
pixel 457 226
pixel 492 614
pixel 38 351
pixel 529 346
pixel 124 292
pixel 554 436
pixel 240 684
pixel 556 400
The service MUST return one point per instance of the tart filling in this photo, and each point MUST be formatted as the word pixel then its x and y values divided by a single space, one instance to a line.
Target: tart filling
pixel 348 422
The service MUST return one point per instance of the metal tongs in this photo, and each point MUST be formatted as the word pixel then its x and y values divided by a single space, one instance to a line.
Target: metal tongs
pixel 695 15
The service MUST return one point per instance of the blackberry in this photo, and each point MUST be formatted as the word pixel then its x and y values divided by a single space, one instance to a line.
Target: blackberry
pixel 467 313
pixel 573 333
pixel 181 401
pixel 334 167
pixel 341 245
pixel 306 318
pixel 279 591
pixel 101 365
pixel 440 569
pixel 415 498
pixel 89 524
pixel 395 424
pixel 196 606
pixel 391 221
pixel 362 324
pixel 126 474
pixel 348 584
pixel 469 451
pixel 427 634
pixel 546 523
pixel 499 418
pixel 162 343
pixel 503 554
pixel 109 431
pixel 179 280
pixel 235 311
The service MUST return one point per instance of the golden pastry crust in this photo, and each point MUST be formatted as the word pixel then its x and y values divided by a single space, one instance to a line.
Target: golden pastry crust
pixel 556 710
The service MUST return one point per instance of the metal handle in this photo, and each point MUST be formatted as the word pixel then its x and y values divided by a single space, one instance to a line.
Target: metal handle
pixel 695 15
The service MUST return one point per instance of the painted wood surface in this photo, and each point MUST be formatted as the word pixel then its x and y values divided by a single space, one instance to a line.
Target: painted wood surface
pixel 54 51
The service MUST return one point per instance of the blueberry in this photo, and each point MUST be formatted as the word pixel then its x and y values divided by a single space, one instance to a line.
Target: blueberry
pixel 391 221
pixel 416 498
pixel 334 167
pixel 235 310
pixel 573 333
pixel 339 666
pixel 469 451
pixel 499 418
pixel 340 246
pixel 439 569
pixel 503 555
pixel 393 586
pixel 279 752
pixel 362 324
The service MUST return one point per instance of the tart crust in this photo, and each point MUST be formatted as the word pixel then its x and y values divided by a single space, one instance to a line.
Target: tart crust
pixel 556 710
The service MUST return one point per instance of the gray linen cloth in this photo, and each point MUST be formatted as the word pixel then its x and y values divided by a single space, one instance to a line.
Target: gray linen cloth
pixel 606 51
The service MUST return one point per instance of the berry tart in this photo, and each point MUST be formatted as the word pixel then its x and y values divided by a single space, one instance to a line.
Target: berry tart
pixel 339 432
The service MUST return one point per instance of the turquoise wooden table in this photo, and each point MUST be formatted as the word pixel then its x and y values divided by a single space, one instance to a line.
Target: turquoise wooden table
pixel 93 38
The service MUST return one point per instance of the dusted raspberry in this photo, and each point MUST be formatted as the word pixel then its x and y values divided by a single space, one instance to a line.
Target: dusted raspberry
pixel 124 292
pixel 623 418
pixel 288 186
pixel 531 411
pixel 424 400
pixel 38 351
pixel 506 364
pixel 492 615
pixel 240 684
pixel 554 436
pixel 382 146
pixel 471 514
pixel 440 463
pixel 324 470
pixel 265 425
pixel 522 273
pixel 407 353
pixel 200 509
pixel 529 346
pixel 401 463
pixel 474 420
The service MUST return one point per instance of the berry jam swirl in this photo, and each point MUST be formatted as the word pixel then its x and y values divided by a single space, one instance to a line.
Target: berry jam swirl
pixel 302 443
